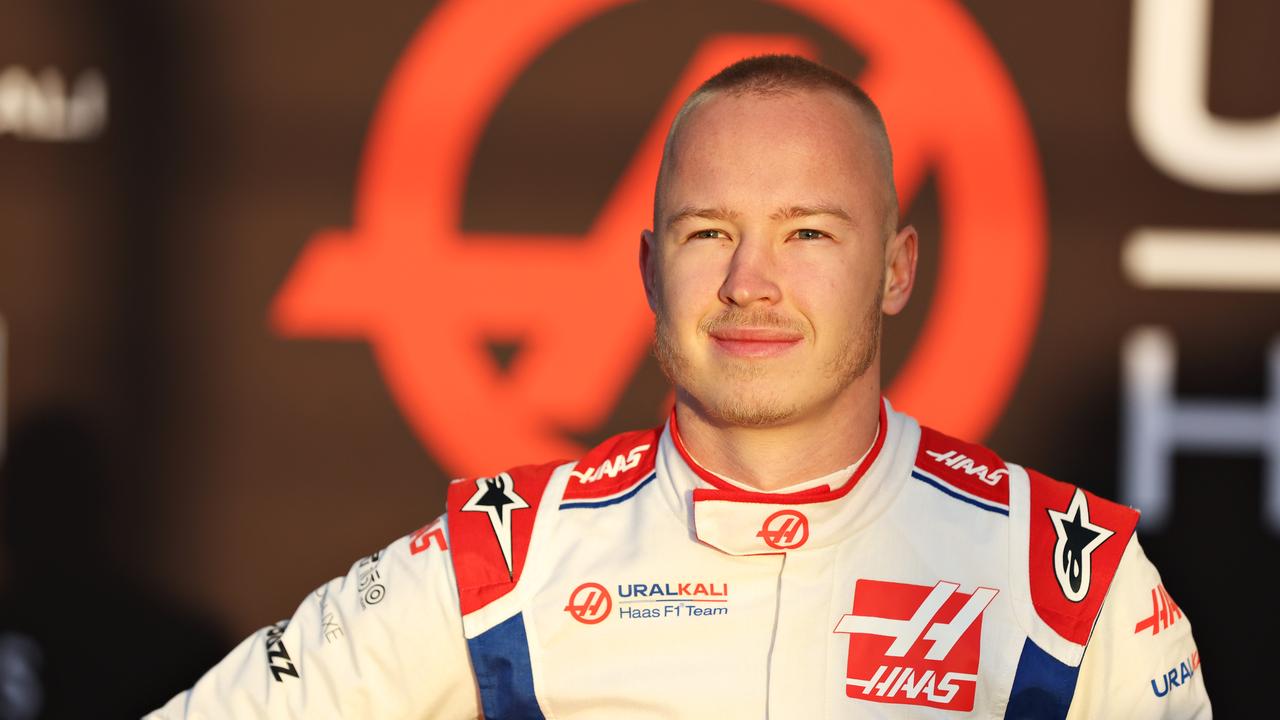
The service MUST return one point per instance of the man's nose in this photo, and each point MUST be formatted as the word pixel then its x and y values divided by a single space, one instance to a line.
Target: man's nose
pixel 752 276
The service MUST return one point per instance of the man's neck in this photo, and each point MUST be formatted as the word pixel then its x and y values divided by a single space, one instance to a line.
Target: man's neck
pixel 776 457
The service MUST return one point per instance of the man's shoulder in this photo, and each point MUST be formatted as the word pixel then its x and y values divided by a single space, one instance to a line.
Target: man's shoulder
pixel 492 520
pixel 1075 541
pixel 613 471
pixel 614 467
pixel 1066 542
pixel 964 470
pixel 979 471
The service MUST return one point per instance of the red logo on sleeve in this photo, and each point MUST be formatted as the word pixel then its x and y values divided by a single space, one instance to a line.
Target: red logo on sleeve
pixel 425 536
pixel 1164 612
pixel 914 644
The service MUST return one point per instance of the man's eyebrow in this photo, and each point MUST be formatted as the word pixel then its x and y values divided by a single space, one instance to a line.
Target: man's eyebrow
pixel 788 213
pixel 688 212
pixel 802 211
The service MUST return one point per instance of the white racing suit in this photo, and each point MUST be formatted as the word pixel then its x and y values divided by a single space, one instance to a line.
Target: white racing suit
pixel 932 579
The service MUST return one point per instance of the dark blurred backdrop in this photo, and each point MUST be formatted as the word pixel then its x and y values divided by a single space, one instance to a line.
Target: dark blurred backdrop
pixel 237 334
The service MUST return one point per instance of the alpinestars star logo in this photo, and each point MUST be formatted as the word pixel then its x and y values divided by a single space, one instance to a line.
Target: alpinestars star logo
pixel 1077 539
pixel 497 497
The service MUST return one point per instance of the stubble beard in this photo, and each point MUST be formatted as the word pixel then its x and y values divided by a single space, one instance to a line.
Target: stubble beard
pixel 745 404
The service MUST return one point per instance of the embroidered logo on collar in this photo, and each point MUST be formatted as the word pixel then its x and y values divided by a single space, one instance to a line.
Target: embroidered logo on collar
pixel 497 497
pixel 1077 539
pixel 785 530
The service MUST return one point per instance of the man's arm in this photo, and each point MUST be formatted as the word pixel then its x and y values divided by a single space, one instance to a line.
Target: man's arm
pixel 1141 661
pixel 384 641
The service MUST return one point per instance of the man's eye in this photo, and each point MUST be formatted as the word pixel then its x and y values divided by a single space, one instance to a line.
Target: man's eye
pixel 707 235
pixel 810 234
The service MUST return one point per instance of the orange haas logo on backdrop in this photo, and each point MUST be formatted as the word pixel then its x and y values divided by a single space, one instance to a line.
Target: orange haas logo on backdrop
pixel 427 296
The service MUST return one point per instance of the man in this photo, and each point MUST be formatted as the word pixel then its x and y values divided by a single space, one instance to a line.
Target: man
pixel 787 546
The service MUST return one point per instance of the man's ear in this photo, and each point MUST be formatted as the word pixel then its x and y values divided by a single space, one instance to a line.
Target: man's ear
pixel 648 259
pixel 900 270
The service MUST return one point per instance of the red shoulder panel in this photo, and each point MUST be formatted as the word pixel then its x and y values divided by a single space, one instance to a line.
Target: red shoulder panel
pixel 614 465
pixel 490 523
pixel 972 468
pixel 1077 540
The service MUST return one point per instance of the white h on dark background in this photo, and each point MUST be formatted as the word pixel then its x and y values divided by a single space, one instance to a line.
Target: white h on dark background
pixel 1172 123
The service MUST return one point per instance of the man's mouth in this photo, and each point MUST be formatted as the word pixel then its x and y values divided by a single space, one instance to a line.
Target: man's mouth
pixel 755 342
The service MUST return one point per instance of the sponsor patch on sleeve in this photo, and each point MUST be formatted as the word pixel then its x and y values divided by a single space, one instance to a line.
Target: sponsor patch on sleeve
pixel 1076 542
pixel 490 524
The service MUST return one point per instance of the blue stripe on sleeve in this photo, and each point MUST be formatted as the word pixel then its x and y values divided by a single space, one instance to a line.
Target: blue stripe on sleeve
pixel 1042 686
pixel 500 658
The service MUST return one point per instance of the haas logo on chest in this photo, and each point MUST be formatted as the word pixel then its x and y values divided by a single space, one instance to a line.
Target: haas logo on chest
pixel 914 644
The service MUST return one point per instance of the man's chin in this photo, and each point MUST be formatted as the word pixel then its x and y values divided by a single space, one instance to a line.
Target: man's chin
pixel 756 417
pixel 748 408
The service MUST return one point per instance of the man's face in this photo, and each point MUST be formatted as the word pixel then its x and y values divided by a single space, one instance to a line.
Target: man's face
pixel 767 268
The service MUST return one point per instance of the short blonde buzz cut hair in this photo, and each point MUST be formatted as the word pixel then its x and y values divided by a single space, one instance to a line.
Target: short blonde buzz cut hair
pixel 767 75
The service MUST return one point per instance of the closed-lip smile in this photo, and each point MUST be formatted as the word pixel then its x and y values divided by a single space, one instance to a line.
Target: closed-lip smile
pixel 755 342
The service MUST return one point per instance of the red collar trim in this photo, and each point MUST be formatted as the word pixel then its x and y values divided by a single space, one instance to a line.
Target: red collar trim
pixel 725 491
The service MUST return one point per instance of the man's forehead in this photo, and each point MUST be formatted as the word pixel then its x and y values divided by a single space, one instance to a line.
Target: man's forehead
pixel 816 108
pixel 721 135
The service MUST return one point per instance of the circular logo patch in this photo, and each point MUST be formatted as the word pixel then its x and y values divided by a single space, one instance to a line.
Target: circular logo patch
pixel 785 530
pixel 589 604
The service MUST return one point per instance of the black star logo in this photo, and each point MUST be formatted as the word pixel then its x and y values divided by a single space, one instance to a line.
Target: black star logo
pixel 1077 539
pixel 495 494
pixel 497 497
